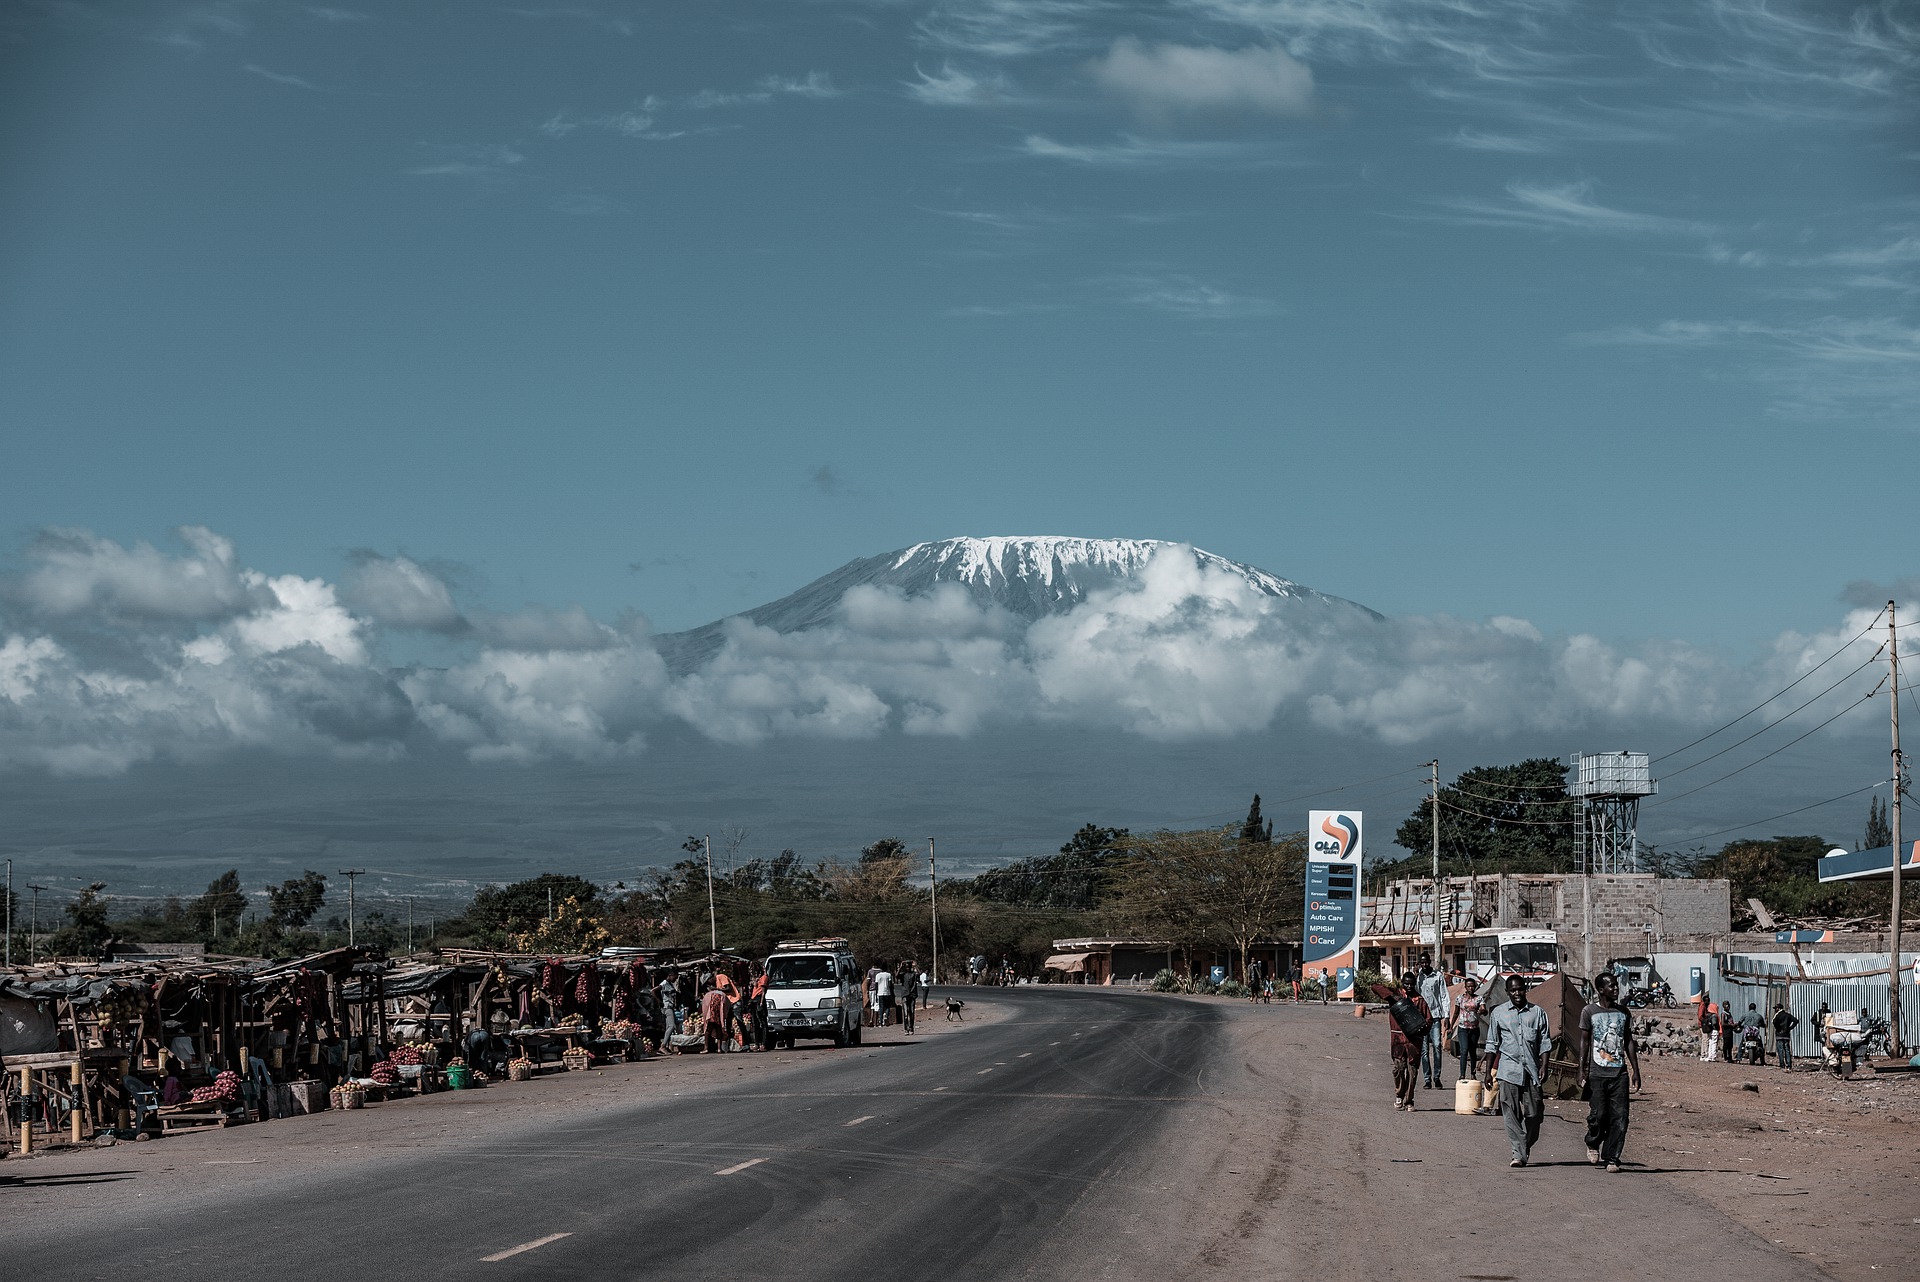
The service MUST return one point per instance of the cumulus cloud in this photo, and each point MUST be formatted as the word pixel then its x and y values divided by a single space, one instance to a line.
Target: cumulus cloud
pixel 401 593
pixel 209 656
pixel 1168 79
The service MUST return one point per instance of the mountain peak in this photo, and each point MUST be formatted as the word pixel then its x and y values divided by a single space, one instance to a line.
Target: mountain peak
pixel 1028 576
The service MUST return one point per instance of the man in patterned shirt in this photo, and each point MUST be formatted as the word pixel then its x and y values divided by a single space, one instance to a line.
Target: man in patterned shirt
pixel 1606 1058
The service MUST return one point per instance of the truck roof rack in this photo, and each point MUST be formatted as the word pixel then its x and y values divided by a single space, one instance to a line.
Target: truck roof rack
pixel 834 944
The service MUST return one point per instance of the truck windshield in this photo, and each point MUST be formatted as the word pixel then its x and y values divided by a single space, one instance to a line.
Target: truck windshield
pixel 799 972
pixel 1538 956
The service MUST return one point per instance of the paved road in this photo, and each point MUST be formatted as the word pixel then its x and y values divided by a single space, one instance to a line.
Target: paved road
pixel 1087 1134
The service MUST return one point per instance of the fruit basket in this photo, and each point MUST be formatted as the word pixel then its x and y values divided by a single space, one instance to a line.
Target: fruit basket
pixel 519 1070
pixel 576 1058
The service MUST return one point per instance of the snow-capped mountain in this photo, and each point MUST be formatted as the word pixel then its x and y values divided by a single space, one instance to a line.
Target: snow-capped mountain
pixel 1028 577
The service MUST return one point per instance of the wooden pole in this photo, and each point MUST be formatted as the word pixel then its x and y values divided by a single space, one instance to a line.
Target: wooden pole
pixel 26 1112
pixel 1899 783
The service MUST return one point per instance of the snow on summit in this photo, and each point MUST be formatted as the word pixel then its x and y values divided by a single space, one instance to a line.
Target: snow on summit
pixel 1029 577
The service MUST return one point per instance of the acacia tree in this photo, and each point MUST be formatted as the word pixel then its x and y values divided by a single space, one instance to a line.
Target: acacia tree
pixel 1209 887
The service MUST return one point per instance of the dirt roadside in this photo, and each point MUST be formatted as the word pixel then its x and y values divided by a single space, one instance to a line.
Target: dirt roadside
pixel 1824 1168
pixel 1811 1167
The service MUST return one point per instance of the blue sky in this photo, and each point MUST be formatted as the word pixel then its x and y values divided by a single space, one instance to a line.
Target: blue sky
pixel 1601 315
pixel 1580 339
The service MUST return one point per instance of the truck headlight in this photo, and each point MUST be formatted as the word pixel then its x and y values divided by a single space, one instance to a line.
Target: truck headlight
pixel 829 1003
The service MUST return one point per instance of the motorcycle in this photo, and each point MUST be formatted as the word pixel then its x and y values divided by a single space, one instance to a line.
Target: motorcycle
pixel 1639 997
pixel 1752 1046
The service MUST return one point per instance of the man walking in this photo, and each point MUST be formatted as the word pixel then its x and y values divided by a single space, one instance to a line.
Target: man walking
pixel 1407 1022
pixel 883 998
pixel 1609 1069
pixel 1516 1055
pixel 1784 1022
pixel 1433 1048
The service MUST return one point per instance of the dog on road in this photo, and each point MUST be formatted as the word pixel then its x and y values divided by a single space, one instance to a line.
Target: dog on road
pixel 953 1008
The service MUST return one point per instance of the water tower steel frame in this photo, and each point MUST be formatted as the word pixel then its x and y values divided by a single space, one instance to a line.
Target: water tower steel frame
pixel 1609 786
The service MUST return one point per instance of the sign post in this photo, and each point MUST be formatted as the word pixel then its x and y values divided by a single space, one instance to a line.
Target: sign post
pixel 1332 920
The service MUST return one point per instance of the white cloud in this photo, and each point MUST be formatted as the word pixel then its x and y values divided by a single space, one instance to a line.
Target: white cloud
pixel 283 664
pixel 72 572
pixel 1168 79
pixel 401 593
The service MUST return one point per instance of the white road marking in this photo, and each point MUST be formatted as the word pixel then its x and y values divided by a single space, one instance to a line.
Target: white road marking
pixel 1023 1054
pixel 735 1170
pixel 939 1088
pixel 511 1251
pixel 984 1070
pixel 856 1121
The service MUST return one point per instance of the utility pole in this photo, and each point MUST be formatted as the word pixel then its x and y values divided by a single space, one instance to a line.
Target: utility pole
pixel 1434 765
pixel 33 927
pixel 9 961
pixel 409 924
pixel 713 922
pixel 1899 784
pixel 350 874
pixel 933 871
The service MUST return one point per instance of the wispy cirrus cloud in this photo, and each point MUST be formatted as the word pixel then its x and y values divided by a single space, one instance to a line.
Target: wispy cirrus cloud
pixel 1567 206
pixel 952 87
pixel 468 160
pixel 279 77
pixel 1184 296
pixel 1823 367
pixel 1130 151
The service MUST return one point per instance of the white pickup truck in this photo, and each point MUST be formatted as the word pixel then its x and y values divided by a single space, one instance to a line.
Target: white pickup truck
pixel 813 990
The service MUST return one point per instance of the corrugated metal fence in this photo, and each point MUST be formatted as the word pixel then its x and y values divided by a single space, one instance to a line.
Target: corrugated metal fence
pixel 1838 991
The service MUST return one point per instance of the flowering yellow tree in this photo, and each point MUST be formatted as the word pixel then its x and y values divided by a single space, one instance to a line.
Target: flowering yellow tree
pixel 574 928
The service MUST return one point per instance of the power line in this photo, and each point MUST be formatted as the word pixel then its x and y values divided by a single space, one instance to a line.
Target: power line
pixel 1776 752
pixel 1778 721
pixel 1785 813
pixel 1763 703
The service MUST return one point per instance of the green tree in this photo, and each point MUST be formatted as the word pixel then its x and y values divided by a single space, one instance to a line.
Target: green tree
pixel 217 913
pixel 1207 888
pixel 1783 874
pixel 1515 818
pixel 1077 878
pixel 1252 831
pixel 86 933
pixel 1879 832
pixel 292 904
pixel 500 912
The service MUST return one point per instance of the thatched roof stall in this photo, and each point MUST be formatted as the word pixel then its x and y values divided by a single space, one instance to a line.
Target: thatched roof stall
pixel 125 1031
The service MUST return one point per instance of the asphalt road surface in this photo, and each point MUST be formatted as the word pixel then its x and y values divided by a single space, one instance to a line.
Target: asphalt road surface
pixel 1085 1134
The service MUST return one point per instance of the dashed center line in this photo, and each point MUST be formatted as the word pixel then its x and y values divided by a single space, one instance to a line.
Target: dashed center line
pixel 856 1121
pixel 511 1251
pixel 1023 1054
pixel 735 1170
pixel 984 1070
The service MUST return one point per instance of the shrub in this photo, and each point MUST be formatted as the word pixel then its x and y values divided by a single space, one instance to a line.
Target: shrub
pixel 1231 988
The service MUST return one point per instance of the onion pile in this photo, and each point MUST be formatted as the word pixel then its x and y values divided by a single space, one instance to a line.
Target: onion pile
pixel 384 1073
pixel 225 1087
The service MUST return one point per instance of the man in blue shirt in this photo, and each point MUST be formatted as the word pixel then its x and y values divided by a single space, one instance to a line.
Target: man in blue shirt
pixel 1516 1053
